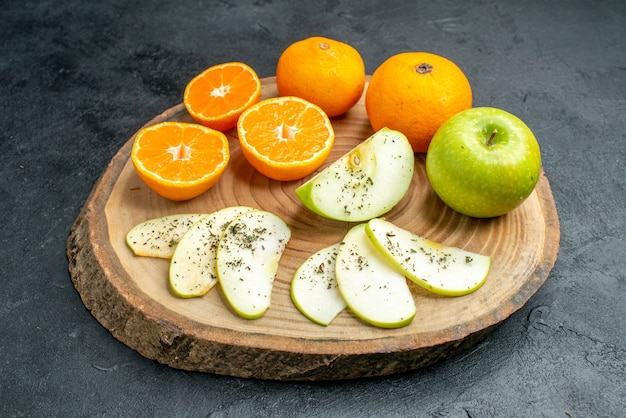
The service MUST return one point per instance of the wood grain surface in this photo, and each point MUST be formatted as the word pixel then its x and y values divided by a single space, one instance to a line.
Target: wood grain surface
pixel 130 296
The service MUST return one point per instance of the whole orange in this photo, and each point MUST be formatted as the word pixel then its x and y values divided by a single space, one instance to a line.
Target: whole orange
pixel 415 93
pixel 328 73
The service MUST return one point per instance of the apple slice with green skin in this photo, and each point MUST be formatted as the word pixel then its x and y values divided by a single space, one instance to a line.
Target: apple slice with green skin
pixel 442 269
pixel 192 269
pixel 248 254
pixel 365 183
pixel 372 287
pixel 158 237
pixel 314 287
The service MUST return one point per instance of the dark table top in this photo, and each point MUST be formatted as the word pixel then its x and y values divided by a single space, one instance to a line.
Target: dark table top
pixel 77 79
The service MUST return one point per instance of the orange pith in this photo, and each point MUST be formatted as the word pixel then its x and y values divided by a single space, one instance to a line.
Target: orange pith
pixel 326 72
pixel 415 93
pixel 285 138
pixel 217 96
pixel 180 161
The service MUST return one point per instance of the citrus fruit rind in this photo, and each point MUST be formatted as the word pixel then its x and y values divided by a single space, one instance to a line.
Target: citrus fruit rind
pixel 415 93
pixel 324 71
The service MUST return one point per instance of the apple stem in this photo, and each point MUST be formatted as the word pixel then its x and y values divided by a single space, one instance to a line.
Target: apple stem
pixel 490 140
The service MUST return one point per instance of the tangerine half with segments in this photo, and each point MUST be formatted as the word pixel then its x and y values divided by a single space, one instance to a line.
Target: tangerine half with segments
pixel 217 96
pixel 178 160
pixel 285 138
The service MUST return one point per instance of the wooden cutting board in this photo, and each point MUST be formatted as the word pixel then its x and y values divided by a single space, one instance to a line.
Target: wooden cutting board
pixel 130 296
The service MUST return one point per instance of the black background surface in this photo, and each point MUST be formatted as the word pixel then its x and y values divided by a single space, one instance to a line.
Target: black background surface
pixel 77 79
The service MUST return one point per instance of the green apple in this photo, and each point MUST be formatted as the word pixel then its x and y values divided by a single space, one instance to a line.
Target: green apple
pixel 248 254
pixel 366 182
pixel 483 162
pixel 192 270
pixel 158 237
pixel 372 287
pixel 442 269
pixel 314 287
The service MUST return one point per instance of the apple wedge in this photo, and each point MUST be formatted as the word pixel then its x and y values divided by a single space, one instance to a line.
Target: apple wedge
pixel 248 254
pixel 436 267
pixel 158 237
pixel 192 270
pixel 365 183
pixel 372 287
pixel 314 287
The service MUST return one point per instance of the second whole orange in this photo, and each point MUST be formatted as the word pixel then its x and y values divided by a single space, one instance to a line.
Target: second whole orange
pixel 415 93
pixel 323 71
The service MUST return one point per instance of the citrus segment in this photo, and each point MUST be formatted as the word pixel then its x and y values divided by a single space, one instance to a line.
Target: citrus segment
pixel 217 96
pixel 324 71
pixel 415 93
pixel 180 161
pixel 285 138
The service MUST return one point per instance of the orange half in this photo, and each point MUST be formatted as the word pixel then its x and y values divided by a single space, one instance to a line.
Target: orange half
pixel 180 161
pixel 285 138
pixel 217 96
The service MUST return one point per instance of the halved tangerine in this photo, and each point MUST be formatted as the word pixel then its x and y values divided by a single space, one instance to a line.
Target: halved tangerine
pixel 180 161
pixel 285 138
pixel 217 96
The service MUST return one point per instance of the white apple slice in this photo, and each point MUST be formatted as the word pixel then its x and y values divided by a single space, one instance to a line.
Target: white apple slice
pixel 158 237
pixel 248 254
pixel 192 269
pixel 365 183
pixel 442 269
pixel 372 287
pixel 314 287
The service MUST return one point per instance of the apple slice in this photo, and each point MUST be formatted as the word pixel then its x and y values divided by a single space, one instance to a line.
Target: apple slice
pixel 192 269
pixel 365 183
pixel 158 237
pixel 372 287
pixel 247 260
pixel 444 270
pixel 314 287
